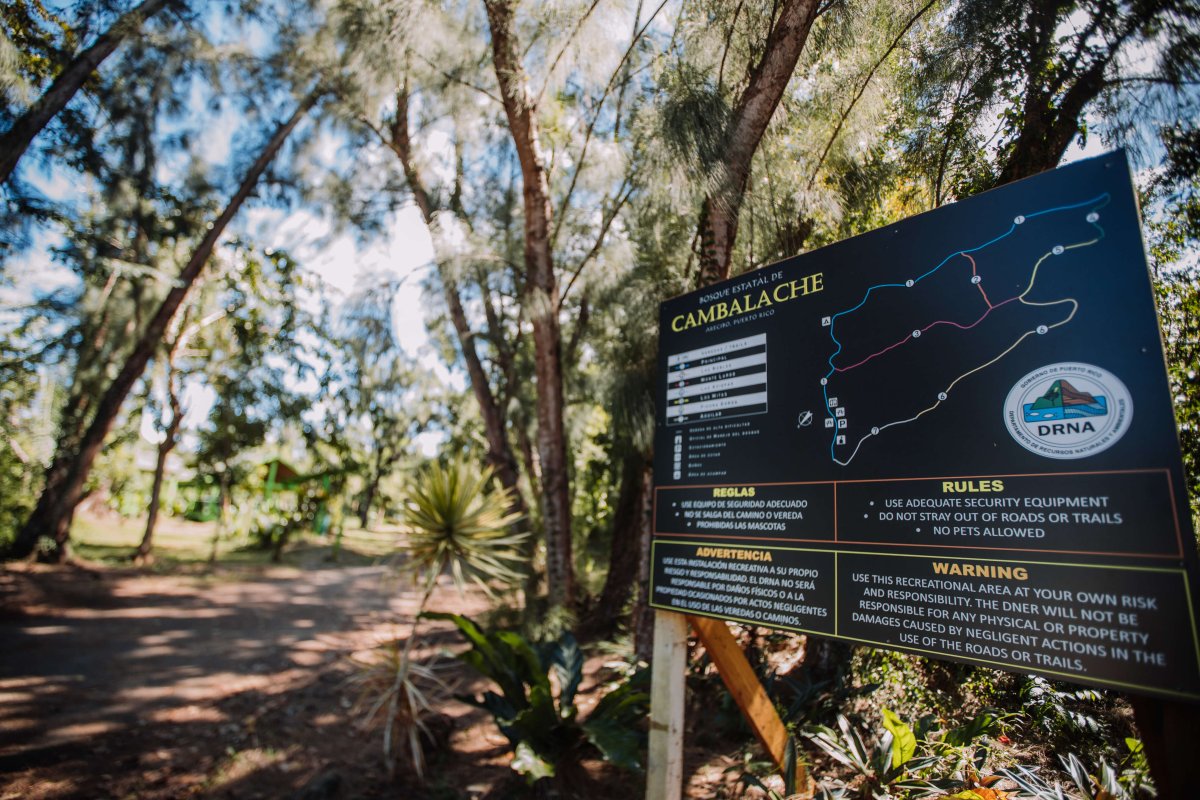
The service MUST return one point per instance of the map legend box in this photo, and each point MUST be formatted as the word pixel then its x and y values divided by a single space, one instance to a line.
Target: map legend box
pixel 718 381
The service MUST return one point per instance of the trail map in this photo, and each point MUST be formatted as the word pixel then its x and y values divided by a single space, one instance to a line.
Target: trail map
pixel 945 317
pixel 951 436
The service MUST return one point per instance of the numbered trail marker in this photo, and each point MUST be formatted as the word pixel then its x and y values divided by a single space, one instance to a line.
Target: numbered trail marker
pixel 952 436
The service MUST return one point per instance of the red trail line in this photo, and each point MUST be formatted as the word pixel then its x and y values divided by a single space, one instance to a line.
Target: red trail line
pixel 909 338
pixel 974 273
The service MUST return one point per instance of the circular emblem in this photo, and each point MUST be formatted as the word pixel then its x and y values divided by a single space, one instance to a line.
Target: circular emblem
pixel 1068 410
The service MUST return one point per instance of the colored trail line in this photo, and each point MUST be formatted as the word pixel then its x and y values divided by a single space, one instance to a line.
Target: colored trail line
pixel 1094 204
pixel 910 337
pixel 979 283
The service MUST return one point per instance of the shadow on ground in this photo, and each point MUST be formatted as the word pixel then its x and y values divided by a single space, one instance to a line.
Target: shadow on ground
pixel 121 684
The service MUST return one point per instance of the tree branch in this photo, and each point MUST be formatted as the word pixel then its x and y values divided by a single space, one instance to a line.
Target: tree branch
pixel 604 228
pixel 455 79
pixel 728 43
pixel 562 51
pixel 587 138
pixel 845 115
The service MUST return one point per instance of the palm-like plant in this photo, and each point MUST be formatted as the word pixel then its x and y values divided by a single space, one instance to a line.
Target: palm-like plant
pixel 456 525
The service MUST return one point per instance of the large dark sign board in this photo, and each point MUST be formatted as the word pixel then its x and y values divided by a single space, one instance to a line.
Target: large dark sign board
pixel 952 436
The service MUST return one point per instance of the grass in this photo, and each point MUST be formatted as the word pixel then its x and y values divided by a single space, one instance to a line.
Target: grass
pixel 112 539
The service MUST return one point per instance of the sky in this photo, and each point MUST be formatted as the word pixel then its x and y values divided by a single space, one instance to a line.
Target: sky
pixel 404 250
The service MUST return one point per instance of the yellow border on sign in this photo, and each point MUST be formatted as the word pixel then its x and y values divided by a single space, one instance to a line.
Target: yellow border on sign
pixel 1020 668
pixel 1187 592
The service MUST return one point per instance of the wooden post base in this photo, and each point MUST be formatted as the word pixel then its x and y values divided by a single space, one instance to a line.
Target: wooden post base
pixel 668 672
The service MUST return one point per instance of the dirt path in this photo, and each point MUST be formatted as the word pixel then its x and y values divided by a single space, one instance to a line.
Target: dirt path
pixel 118 684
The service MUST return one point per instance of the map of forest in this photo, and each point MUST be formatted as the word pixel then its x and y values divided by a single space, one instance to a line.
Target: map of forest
pixel 899 354
pixel 893 439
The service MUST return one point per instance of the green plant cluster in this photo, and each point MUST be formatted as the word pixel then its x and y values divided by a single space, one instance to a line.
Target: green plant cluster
pixel 927 742
pixel 544 728
pixel 907 761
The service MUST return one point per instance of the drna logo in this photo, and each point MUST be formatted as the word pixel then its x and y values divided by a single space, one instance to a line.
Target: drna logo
pixel 1068 410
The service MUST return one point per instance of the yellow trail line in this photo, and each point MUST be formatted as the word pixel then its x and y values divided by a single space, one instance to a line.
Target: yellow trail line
pixel 1021 297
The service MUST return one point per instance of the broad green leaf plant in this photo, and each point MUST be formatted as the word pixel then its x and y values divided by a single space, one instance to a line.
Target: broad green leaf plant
pixel 906 762
pixel 543 728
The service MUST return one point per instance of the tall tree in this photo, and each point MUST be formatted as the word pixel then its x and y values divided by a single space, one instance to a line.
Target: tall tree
pixel 500 454
pixel 69 469
pixel 496 312
pixel 1171 208
pixel 20 135
pixel 1006 89
pixel 542 298
pixel 741 135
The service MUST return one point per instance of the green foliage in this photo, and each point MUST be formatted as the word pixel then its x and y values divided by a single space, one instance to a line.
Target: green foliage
pixel 906 761
pixel 15 480
pixel 456 524
pixel 985 723
pixel 278 518
pixel 373 400
pixel 253 350
pixel 790 761
pixel 904 741
pixel 457 519
pixel 693 118
pixel 889 762
pixel 1177 292
pixel 40 41
pixel 21 428
pixel 542 727
pixel 1004 88
pixel 1063 712
pixel 1135 769
pixel 1105 783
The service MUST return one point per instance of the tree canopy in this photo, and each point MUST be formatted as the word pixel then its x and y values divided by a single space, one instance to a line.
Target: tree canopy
pixel 172 175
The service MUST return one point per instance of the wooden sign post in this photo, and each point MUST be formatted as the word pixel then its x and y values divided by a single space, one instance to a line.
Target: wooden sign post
pixel 665 771
pixel 664 768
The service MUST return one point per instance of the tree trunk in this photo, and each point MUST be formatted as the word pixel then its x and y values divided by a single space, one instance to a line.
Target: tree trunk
pixel 160 468
pixel 1042 142
pixel 75 411
pixel 62 491
pixel 500 453
pixel 642 623
pixel 223 503
pixel 768 80
pixel 625 549
pixel 364 510
pixel 170 439
pixel 16 140
pixel 541 301
pixel 1049 125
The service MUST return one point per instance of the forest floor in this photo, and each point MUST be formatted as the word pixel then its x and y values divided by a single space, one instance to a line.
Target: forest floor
pixel 237 682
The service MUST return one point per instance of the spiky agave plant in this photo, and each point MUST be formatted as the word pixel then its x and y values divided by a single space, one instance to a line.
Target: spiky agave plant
pixel 457 523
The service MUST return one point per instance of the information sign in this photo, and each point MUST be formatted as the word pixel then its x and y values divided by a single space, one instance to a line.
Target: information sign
pixel 951 436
